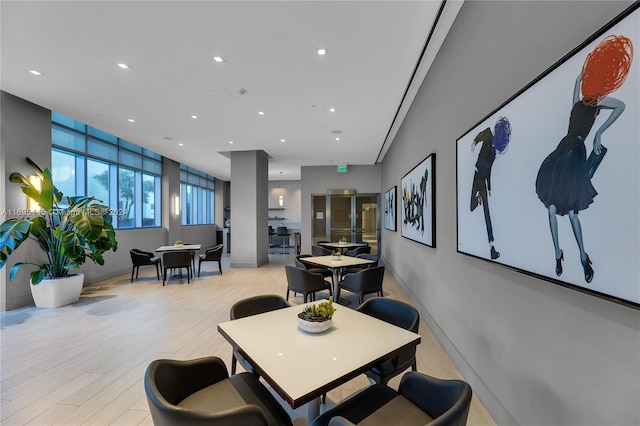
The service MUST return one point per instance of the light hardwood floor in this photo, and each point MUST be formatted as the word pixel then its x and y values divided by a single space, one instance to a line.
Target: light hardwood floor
pixel 84 363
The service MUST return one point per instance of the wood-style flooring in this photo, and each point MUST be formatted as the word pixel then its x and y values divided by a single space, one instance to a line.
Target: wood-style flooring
pixel 84 363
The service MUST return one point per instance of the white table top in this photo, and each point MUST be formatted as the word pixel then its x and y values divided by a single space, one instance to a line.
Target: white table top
pixel 342 245
pixel 302 366
pixel 327 261
pixel 179 248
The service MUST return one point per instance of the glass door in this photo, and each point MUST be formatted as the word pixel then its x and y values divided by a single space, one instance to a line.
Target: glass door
pixel 354 217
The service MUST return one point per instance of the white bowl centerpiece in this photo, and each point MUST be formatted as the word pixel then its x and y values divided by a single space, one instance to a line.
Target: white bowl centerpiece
pixel 316 319
pixel 178 243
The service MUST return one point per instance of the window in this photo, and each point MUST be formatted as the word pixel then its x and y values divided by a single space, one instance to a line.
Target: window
pixel 196 196
pixel 122 175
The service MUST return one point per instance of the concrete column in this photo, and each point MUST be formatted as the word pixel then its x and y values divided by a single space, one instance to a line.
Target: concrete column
pixel 249 209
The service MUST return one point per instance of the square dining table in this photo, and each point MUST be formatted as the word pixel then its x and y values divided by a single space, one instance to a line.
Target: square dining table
pixel 301 366
pixel 336 265
pixel 182 247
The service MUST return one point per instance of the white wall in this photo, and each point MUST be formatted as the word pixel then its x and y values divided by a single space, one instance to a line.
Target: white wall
pixel 534 352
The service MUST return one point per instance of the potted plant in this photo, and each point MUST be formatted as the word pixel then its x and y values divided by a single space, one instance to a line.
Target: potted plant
pixel 67 235
pixel 178 243
pixel 315 319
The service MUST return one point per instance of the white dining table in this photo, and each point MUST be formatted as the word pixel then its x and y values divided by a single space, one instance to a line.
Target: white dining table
pixel 181 247
pixel 300 366
pixel 343 247
pixel 335 266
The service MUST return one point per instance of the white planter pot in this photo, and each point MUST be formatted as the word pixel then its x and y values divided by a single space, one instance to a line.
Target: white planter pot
pixel 57 292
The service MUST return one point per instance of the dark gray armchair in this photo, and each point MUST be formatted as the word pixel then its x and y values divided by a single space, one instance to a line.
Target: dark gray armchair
pixel 200 392
pixel 402 315
pixel 141 258
pixel 253 306
pixel 301 281
pixel 420 400
pixel 212 255
pixel 363 282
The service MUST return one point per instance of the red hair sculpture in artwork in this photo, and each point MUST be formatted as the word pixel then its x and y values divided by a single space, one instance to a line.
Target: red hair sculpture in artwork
pixel 606 68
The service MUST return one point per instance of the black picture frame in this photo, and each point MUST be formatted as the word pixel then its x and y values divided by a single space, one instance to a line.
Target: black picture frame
pixel 391 209
pixel 418 210
pixel 525 192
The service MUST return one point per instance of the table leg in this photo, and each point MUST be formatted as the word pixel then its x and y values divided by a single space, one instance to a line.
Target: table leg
pixel 313 410
pixel 336 284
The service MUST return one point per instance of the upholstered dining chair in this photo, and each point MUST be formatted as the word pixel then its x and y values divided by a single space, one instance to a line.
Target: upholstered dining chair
pixel 321 251
pixel 201 392
pixel 212 255
pixel 363 282
pixel 177 260
pixel 141 258
pixel 398 313
pixel 300 263
pixel 302 281
pixel 253 306
pixel 354 269
pixel 420 400
pixel 354 252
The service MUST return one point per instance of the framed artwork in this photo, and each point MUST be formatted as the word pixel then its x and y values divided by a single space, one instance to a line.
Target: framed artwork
pixel 418 203
pixel 390 209
pixel 549 183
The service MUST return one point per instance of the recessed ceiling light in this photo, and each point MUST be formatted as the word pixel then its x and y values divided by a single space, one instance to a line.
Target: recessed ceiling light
pixel 260 112
pixel 231 142
pixel 282 140
pixel 123 66
pixel 194 117
pixel 218 59
pixel 332 110
pixel 180 144
pixel 322 51
pixel 131 120
pixel 35 72
pixel 337 139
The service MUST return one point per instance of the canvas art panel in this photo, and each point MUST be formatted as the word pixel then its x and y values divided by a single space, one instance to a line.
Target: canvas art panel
pixel 390 208
pixel 549 183
pixel 418 203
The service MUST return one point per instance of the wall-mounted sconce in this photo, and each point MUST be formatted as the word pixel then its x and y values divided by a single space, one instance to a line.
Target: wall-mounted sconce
pixel 32 204
pixel 281 200
pixel 176 205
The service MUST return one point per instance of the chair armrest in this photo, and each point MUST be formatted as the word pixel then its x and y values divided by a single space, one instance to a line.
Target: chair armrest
pixel 435 396
pixel 148 253
pixel 178 379
pixel 340 421
pixel 248 415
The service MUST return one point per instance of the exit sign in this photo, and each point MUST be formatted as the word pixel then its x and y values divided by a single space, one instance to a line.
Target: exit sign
pixel 342 168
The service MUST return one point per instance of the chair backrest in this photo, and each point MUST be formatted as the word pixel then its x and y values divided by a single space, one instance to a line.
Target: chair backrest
pixel 446 401
pixel 176 259
pixel 320 251
pixel 368 280
pixel 282 231
pixel 257 305
pixel 139 257
pixel 214 253
pixel 390 310
pixel 299 263
pixel 358 250
pixel 369 256
pixel 302 281
pixel 271 231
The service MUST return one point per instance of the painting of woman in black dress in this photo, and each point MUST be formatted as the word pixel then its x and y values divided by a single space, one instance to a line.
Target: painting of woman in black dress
pixel 492 145
pixel 563 183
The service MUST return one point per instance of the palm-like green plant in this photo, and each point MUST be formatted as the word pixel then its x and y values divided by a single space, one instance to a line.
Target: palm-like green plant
pixel 68 236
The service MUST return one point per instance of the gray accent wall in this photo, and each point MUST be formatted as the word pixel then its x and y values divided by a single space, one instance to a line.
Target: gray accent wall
pixel 317 180
pixel 535 353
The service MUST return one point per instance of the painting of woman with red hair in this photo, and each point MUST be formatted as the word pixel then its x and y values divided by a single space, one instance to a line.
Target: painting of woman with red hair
pixel 563 183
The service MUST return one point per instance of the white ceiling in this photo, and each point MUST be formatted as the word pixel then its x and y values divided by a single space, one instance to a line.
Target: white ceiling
pixel 270 51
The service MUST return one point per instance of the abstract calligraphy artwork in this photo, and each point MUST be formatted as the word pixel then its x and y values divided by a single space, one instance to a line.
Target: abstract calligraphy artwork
pixel 390 209
pixel 418 203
